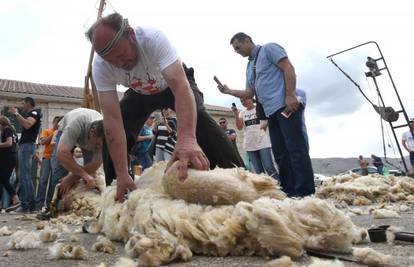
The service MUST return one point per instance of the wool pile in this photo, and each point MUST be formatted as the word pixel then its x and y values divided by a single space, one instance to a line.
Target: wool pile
pixel 159 227
pixel 354 189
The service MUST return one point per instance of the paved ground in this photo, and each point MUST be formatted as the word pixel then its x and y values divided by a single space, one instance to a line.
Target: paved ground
pixel 403 252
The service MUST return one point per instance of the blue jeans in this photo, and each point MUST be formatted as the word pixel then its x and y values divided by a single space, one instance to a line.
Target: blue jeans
pixel 5 198
pixel 143 159
pixel 161 154
pixel 291 154
pixel 27 190
pixel 262 161
pixel 45 170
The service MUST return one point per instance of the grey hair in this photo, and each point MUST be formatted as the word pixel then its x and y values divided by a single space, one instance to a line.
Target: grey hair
pixel 113 21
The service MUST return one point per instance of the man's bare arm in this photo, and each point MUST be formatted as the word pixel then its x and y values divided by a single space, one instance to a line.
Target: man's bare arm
pixel 65 158
pixel 289 76
pixel 25 123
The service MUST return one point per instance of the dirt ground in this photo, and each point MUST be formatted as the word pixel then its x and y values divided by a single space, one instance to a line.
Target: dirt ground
pixel 403 252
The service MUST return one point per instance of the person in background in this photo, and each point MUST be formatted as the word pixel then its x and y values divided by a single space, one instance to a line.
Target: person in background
pixel 78 156
pixel 45 167
pixel 408 143
pixel 8 159
pixel 144 139
pixel 363 164
pixel 30 130
pixel 377 162
pixel 271 77
pixel 165 130
pixel 256 141
pixel 301 96
pixel 231 133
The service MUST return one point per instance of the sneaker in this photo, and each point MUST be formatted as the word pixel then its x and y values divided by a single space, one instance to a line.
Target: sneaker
pixel 21 210
pixel 43 216
pixel 13 207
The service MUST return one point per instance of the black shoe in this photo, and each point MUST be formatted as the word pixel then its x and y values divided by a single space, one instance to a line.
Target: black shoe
pixel 13 207
pixel 43 216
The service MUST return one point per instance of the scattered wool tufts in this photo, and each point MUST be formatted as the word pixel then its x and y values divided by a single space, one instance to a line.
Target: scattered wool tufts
pixel 403 208
pixel 284 261
pixel 390 233
pixel 220 186
pixel 125 262
pixel 371 257
pixel 21 240
pixel 74 238
pixel 365 190
pixel 93 226
pixel 152 250
pixel 40 225
pixel 104 245
pixel 384 213
pixel 326 263
pixel 4 231
pixel 48 235
pixel 65 251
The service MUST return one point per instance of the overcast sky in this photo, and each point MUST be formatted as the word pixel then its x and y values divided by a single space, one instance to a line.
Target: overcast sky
pixel 43 41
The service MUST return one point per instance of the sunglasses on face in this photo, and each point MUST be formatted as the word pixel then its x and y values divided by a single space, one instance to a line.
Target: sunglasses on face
pixel 222 122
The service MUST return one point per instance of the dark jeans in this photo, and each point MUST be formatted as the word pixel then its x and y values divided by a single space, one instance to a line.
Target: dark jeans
pixel 45 171
pixel 144 159
pixel 136 108
pixel 291 154
pixel 6 170
pixel 27 189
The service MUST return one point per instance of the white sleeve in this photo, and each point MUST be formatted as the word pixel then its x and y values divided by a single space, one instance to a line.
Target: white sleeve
pixel 103 75
pixel 404 137
pixel 162 50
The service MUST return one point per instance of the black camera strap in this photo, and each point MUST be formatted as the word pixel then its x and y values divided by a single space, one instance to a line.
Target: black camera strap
pixel 259 108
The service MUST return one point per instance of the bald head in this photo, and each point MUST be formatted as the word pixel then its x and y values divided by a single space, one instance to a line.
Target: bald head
pixel 114 40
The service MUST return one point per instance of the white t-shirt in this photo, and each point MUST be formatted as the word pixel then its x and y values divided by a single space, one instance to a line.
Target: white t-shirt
pixel 155 53
pixel 408 138
pixel 254 137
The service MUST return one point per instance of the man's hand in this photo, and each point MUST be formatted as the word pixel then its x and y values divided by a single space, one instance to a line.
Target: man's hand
pixel 89 181
pixel 223 88
pixel 13 110
pixel 123 185
pixel 67 183
pixel 292 104
pixel 235 110
pixel 188 152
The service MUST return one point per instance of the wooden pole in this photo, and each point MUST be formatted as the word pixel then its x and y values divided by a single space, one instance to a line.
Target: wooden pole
pixel 92 101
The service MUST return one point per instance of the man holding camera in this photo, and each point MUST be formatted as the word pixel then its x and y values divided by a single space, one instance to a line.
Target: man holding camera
pixel 271 76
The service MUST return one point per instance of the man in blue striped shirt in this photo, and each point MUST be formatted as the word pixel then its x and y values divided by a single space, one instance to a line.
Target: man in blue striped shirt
pixel 271 77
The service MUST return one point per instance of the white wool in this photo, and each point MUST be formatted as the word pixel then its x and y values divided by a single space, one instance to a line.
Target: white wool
pixel 4 231
pixel 365 190
pixel 104 245
pixel 159 228
pixel 284 261
pixel 125 262
pixel 48 235
pixel 326 263
pixel 65 251
pixel 371 257
pixel 74 238
pixel 24 240
pixel 384 213
pixel 403 208
pixel 220 186
pixel 40 225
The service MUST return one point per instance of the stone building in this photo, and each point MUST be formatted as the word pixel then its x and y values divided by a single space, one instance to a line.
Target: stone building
pixel 57 100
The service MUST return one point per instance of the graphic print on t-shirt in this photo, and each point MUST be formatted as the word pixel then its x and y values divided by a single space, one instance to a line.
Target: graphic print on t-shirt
pixel 250 119
pixel 143 86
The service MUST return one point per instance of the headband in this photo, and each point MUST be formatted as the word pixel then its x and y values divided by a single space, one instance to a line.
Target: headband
pixel 111 43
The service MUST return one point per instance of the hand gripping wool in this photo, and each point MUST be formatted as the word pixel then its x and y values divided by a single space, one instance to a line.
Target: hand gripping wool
pixel 158 227
pixel 220 186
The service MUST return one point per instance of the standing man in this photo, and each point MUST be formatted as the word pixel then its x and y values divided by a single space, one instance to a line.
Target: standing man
pixel 271 76
pixel 143 143
pixel 144 60
pixel 408 143
pixel 45 167
pixel 30 129
pixel 230 133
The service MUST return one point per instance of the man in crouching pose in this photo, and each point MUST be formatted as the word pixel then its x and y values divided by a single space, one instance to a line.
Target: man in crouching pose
pixel 83 128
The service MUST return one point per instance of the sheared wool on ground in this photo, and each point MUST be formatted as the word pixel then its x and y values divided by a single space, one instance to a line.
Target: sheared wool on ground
pixel 4 231
pixel 371 257
pixel 284 261
pixel 384 213
pixel 354 189
pixel 125 262
pixel 265 226
pixel 220 186
pixel 24 240
pixel 104 245
pixel 74 238
pixel 66 251
pixel 48 234
pixel 40 225
pixel 325 263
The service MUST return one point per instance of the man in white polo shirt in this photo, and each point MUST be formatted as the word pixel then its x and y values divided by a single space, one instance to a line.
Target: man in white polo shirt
pixel 145 61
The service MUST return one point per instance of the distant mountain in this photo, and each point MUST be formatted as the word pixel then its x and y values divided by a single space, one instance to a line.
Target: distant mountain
pixel 333 166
